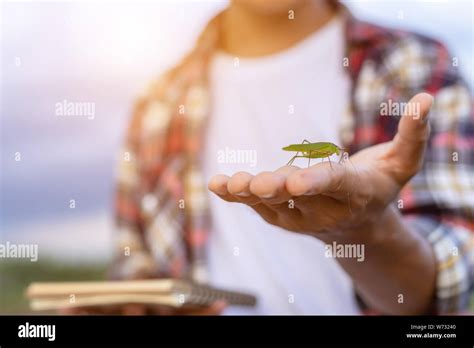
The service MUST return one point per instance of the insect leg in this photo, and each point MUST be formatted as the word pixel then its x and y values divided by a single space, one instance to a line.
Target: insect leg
pixel 294 157
pixel 329 158
pixel 341 158
pixel 290 162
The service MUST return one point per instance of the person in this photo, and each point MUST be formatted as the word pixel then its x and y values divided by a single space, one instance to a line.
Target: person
pixel 265 74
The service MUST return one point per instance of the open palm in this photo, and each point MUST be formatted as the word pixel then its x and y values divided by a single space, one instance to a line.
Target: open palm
pixel 322 200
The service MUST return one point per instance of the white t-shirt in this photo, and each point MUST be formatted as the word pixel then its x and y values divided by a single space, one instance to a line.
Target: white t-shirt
pixel 260 105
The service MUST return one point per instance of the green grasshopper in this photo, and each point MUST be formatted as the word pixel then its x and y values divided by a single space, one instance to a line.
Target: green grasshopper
pixel 314 150
pixel 320 150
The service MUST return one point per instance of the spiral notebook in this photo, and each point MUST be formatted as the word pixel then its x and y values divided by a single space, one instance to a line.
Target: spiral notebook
pixel 167 292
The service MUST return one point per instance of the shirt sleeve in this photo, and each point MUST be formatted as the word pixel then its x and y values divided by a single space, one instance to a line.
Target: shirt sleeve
pixel 439 201
pixel 131 259
pixel 452 245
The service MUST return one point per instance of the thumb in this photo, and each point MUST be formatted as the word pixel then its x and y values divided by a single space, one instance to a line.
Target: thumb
pixel 413 132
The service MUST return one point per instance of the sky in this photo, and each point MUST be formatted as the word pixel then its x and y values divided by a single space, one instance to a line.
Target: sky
pixel 106 53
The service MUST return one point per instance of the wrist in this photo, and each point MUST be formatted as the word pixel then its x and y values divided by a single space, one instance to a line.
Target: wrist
pixel 387 226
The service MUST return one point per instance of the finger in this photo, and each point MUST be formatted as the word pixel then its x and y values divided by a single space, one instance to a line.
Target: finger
pixel 239 186
pixel 218 185
pixel 160 310
pixel 271 186
pixel 413 131
pixel 90 310
pixel 215 309
pixel 68 311
pixel 266 185
pixel 133 309
pixel 321 178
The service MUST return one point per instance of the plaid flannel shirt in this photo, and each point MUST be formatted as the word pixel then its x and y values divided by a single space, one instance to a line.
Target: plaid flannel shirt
pixel 161 202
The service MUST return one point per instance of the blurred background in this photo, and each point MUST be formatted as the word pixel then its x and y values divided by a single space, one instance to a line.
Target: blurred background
pixel 106 54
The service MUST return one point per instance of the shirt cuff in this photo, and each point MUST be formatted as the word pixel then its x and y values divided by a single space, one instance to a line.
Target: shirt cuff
pixel 453 246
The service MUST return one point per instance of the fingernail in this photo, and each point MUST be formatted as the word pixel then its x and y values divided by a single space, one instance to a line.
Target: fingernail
pixel 425 117
pixel 242 194
pixel 221 191
pixel 267 196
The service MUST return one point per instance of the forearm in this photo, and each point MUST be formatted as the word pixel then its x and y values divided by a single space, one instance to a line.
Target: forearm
pixel 398 273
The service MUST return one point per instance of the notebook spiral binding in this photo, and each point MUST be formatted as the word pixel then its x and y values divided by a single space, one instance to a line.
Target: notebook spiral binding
pixel 203 295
